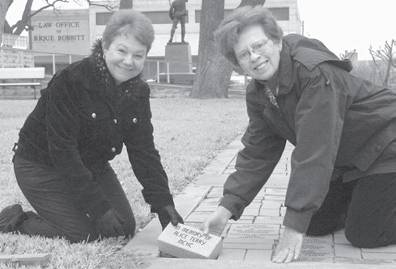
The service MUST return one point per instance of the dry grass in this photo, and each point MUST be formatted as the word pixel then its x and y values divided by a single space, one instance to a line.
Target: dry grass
pixel 188 133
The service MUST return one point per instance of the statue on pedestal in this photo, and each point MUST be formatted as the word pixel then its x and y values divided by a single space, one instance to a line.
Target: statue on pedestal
pixel 178 13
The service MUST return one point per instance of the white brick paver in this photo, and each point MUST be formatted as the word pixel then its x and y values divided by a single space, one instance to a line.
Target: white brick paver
pixel 258 255
pixel 232 254
pixel 347 251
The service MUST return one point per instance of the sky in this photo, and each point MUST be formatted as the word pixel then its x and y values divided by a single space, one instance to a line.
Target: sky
pixel 349 24
pixel 340 24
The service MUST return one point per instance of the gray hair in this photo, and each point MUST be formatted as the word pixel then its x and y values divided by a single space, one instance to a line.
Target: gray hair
pixel 227 33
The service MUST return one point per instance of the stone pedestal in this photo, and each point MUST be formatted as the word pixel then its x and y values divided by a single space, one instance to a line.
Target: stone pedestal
pixel 178 55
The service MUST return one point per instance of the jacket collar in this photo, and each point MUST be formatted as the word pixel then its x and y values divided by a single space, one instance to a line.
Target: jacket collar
pixel 105 83
pixel 285 70
pixel 312 52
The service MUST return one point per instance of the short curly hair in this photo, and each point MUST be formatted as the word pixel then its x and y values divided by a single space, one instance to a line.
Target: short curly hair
pixel 227 33
pixel 127 21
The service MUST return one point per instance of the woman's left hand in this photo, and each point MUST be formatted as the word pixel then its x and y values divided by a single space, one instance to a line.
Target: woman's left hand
pixel 168 214
pixel 289 247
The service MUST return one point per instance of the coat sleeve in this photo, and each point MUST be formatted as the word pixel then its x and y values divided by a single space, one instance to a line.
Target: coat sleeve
pixel 63 125
pixel 319 120
pixel 146 162
pixel 255 162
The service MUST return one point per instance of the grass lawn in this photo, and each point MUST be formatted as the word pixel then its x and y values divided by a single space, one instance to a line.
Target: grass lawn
pixel 188 133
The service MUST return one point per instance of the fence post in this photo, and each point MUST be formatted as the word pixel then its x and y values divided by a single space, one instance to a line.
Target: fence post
pixel 53 64
pixel 158 72
pixel 22 58
pixel 2 58
pixel 70 59
pixel 167 73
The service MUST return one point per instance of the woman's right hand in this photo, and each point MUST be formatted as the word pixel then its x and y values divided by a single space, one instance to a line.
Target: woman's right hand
pixel 216 223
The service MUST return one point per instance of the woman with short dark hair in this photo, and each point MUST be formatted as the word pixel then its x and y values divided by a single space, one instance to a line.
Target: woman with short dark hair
pixel 82 120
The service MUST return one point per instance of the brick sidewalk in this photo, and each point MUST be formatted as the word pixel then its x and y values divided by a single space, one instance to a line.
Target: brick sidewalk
pixel 252 239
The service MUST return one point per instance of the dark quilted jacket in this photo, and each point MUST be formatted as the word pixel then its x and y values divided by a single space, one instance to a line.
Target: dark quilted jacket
pixel 82 120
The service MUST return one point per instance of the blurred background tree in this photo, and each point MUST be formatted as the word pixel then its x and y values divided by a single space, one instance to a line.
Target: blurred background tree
pixel 384 59
pixel 214 71
pixel 23 23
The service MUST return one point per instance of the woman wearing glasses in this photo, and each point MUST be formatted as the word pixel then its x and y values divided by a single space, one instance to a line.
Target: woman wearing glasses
pixel 343 128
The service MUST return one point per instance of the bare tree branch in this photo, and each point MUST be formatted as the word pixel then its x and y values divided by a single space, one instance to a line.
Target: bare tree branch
pixel 348 54
pixel 20 25
pixel 23 23
pixel 393 57
pixel 109 7
pixel 4 6
pixel 376 64
pixel 386 56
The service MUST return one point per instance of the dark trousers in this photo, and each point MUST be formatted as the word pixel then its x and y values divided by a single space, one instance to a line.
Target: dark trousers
pixel 176 20
pixel 58 215
pixel 365 207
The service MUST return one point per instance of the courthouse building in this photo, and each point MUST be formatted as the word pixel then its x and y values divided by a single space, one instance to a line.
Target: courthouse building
pixel 74 31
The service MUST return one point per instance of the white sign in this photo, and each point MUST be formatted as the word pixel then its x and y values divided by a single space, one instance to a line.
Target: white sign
pixel 65 32
pixel 184 241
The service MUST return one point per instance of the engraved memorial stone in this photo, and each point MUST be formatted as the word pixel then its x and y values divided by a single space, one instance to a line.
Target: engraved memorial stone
pixel 182 241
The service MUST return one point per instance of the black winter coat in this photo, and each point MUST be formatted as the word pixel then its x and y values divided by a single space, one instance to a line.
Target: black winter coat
pixel 82 121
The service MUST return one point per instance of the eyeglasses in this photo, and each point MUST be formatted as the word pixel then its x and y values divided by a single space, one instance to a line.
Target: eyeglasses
pixel 257 47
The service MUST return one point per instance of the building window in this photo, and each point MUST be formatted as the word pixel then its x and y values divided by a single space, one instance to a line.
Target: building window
pixel 160 17
pixel 280 13
pixel 102 17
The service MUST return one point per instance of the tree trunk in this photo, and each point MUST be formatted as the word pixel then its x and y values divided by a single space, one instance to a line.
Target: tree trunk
pixel 214 71
pixel 126 4
pixel 22 23
pixel 4 5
